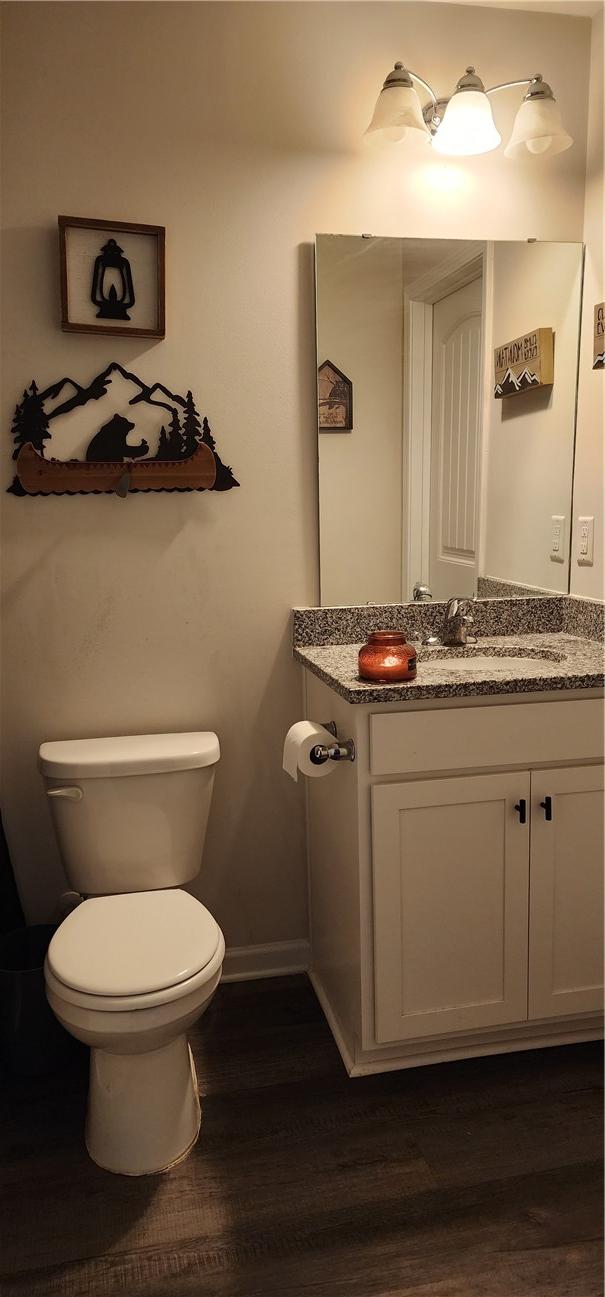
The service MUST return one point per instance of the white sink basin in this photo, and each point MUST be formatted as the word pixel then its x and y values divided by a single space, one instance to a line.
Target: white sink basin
pixel 482 662
pixel 472 661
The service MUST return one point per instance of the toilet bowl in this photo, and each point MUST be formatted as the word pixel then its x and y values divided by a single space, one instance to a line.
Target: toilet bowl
pixel 121 976
pixel 129 971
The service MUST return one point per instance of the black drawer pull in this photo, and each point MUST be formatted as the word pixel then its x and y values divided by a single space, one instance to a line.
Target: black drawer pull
pixel 547 808
pixel 521 807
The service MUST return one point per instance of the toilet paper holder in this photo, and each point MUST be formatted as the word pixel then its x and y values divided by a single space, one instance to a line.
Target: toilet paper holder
pixel 342 750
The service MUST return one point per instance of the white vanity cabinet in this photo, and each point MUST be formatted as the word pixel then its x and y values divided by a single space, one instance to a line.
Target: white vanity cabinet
pixel 450 871
pixel 566 892
pixel 456 877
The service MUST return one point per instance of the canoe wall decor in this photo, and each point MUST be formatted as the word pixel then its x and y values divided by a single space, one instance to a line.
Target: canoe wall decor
pixel 114 436
pixel 524 363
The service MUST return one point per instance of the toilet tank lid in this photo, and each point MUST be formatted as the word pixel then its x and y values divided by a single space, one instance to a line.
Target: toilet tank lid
pixel 133 754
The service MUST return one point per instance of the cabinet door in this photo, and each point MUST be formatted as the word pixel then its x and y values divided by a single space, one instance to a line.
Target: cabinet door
pixel 451 882
pixel 566 892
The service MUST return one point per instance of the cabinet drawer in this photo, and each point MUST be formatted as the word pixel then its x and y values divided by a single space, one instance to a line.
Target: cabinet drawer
pixel 469 737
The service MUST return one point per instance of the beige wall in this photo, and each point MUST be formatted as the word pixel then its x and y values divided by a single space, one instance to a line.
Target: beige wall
pixel 360 328
pixel 530 437
pixel 588 480
pixel 238 127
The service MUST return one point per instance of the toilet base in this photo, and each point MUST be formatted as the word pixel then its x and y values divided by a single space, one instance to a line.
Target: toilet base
pixel 143 1109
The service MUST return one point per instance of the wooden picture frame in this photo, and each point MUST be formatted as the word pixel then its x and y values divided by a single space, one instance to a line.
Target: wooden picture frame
pixel 334 399
pixel 524 364
pixel 132 257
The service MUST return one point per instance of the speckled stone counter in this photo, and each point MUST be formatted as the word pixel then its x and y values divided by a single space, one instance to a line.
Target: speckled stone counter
pixel 501 616
pixel 540 663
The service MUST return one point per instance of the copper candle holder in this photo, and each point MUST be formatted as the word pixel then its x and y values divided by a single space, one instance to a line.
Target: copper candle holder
pixel 387 657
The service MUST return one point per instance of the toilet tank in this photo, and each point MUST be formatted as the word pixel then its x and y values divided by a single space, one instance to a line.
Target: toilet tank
pixel 130 813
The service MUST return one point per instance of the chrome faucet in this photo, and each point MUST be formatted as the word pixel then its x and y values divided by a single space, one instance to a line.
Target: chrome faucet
pixel 457 622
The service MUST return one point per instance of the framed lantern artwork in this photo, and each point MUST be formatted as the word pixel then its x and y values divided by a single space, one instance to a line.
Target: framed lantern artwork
pixel 112 277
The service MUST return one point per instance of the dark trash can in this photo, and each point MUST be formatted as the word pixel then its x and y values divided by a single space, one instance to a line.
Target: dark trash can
pixel 31 1040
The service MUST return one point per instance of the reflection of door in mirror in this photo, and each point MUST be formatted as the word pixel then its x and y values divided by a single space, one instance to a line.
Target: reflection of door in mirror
pixel 455 442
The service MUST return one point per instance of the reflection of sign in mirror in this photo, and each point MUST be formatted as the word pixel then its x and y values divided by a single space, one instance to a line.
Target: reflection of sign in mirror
pixel 524 363
pixel 116 434
pixel 115 284
pixel 598 355
pixel 335 399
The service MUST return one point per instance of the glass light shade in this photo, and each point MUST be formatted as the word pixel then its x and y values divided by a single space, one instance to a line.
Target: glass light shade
pixel 468 126
pixel 537 129
pixel 398 115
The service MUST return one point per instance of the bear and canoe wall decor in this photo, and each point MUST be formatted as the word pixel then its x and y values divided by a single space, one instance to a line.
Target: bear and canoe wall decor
pixel 115 435
pixel 526 362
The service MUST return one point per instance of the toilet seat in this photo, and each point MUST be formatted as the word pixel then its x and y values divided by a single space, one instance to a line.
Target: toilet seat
pixel 134 950
pixel 148 1000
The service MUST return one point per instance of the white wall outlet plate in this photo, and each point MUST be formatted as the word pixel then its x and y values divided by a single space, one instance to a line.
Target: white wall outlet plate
pixel 585 542
pixel 557 538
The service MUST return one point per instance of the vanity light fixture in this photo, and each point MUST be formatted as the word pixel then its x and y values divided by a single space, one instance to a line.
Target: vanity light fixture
pixel 467 126
pixel 398 111
pixel 538 128
pixel 463 125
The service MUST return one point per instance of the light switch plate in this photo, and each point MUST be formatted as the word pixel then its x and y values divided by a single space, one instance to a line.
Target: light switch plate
pixel 585 542
pixel 557 538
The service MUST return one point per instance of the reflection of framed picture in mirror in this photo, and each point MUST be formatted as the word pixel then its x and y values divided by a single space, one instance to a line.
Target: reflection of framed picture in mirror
pixel 335 399
pixel 598 352
pixel 112 277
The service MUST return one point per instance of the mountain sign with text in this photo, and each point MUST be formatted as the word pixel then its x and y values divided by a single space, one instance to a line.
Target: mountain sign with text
pixel 525 363
pixel 116 435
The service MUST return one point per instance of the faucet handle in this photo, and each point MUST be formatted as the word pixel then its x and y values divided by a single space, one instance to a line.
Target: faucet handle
pixel 459 606
pixel 458 617
pixel 467 621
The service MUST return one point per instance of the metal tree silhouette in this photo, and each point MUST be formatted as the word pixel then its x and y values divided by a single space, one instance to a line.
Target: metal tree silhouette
pixel 30 422
pixel 191 426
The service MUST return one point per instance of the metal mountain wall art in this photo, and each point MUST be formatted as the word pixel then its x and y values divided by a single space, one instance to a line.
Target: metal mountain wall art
pixel 115 436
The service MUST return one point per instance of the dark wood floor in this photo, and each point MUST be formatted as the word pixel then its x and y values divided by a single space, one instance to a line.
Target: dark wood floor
pixel 473 1179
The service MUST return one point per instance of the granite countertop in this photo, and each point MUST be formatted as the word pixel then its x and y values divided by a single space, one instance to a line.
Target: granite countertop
pixel 544 662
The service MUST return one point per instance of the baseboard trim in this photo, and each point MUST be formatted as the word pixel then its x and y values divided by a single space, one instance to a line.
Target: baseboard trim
pixel 333 1023
pixel 407 1054
pixel 244 963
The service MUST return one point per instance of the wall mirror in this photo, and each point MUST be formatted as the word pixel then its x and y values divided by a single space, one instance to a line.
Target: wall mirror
pixel 447 375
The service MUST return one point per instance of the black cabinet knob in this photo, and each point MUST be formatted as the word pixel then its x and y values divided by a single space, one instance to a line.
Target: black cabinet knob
pixel 521 808
pixel 547 808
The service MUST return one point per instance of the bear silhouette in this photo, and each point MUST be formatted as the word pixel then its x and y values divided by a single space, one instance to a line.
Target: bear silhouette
pixel 109 443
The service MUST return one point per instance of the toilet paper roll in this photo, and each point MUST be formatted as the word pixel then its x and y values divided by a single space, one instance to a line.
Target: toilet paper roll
pixel 299 741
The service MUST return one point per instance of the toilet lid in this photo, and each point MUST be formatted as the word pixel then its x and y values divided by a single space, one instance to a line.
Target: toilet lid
pixel 133 943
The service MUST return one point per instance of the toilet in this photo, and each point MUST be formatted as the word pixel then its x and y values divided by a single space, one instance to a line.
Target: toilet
pixel 137 962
